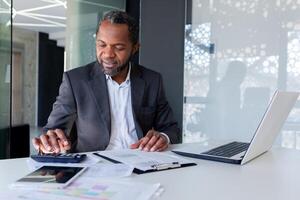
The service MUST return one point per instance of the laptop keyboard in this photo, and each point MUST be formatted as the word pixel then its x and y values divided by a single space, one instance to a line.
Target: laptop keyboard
pixel 228 150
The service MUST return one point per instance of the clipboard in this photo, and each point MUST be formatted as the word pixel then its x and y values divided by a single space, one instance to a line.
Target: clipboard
pixel 154 168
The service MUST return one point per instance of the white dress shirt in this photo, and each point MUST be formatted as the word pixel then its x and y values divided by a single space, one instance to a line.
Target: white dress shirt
pixel 123 132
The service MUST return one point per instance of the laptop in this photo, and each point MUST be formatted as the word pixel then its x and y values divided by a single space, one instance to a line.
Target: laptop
pixel 270 125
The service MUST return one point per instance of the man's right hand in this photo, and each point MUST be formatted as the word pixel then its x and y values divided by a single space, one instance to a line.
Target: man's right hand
pixel 54 141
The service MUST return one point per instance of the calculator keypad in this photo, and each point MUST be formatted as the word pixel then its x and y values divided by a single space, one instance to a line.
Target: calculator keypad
pixel 59 158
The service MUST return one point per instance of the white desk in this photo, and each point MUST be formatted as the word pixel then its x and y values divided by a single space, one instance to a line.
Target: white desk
pixel 273 176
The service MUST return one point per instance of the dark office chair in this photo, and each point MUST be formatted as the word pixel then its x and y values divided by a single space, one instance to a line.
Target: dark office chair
pixel 19 141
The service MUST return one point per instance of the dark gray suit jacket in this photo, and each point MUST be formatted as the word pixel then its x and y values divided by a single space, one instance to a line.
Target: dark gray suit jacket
pixel 83 98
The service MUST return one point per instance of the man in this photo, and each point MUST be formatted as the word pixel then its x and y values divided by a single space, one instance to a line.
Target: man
pixel 114 103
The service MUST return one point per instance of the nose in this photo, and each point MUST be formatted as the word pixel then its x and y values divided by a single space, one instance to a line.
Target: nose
pixel 108 52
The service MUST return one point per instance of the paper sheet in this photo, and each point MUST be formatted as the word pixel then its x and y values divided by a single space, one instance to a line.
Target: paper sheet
pixel 90 189
pixel 107 170
pixel 143 160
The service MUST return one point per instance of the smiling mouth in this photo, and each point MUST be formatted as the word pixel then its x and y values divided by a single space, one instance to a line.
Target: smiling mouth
pixel 109 65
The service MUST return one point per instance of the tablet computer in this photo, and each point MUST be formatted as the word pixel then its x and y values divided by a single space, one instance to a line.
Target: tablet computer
pixel 49 176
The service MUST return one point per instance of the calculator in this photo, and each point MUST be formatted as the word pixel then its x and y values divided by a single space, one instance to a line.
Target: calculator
pixel 59 158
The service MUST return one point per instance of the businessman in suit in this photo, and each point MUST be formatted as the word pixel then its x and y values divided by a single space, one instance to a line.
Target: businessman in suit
pixel 114 103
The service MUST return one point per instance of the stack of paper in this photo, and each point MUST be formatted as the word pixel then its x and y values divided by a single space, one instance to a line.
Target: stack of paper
pixel 89 188
pixel 101 180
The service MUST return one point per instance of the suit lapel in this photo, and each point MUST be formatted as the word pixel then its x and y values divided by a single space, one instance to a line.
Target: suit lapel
pixel 98 86
pixel 137 94
pixel 99 91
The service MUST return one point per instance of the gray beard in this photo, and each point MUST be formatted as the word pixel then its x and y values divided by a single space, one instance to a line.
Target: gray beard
pixel 116 71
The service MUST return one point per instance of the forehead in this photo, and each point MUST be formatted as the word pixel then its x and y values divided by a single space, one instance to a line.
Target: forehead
pixel 115 32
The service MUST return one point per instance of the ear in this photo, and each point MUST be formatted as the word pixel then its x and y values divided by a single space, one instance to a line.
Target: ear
pixel 135 48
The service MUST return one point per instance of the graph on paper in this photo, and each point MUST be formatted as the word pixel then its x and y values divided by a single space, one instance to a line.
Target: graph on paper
pixel 107 189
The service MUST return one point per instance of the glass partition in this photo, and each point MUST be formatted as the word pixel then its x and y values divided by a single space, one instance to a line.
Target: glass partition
pixel 82 21
pixel 5 63
pixel 65 24
pixel 237 53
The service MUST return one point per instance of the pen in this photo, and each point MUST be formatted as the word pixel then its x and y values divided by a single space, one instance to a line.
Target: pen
pixel 106 158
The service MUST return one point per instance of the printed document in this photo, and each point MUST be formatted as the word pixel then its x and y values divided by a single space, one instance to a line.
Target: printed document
pixel 145 160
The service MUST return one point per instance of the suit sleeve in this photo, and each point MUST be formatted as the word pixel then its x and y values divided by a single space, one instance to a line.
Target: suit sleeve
pixel 164 119
pixel 63 111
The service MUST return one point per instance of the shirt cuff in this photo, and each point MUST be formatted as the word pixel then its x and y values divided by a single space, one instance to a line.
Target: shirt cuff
pixel 168 139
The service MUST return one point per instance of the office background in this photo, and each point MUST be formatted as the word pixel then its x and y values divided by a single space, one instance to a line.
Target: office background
pixel 221 61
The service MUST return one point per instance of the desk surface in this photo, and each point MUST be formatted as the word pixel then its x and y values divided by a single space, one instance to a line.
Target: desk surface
pixel 274 175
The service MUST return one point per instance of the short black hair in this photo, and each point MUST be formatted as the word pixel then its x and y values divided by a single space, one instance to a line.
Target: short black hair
pixel 121 17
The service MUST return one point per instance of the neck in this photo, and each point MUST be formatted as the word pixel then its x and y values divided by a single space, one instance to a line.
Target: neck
pixel 121 76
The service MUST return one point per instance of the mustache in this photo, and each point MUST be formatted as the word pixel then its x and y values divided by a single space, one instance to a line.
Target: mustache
pixel 115 71
pixel 109 61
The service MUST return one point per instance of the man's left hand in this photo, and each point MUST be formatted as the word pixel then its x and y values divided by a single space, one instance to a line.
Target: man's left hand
pixel 153 141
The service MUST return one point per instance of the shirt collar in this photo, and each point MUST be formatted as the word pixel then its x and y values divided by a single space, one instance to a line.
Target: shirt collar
pixel 108 77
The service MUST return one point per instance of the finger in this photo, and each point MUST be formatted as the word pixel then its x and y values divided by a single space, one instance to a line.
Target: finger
pixel 143 142
pixel 62 137
pixel 146 139
pixel 39 146
pixel 44 150
pixel 61 146
pixel 54 141
pixel 36 143
pixel 45 142
pixel 151 142
pixel 158 144
pixel 135 145
pixel 163 147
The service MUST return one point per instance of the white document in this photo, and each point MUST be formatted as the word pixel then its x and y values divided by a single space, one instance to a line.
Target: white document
pixel 145 160
pixel 91 189
pixel 107 171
